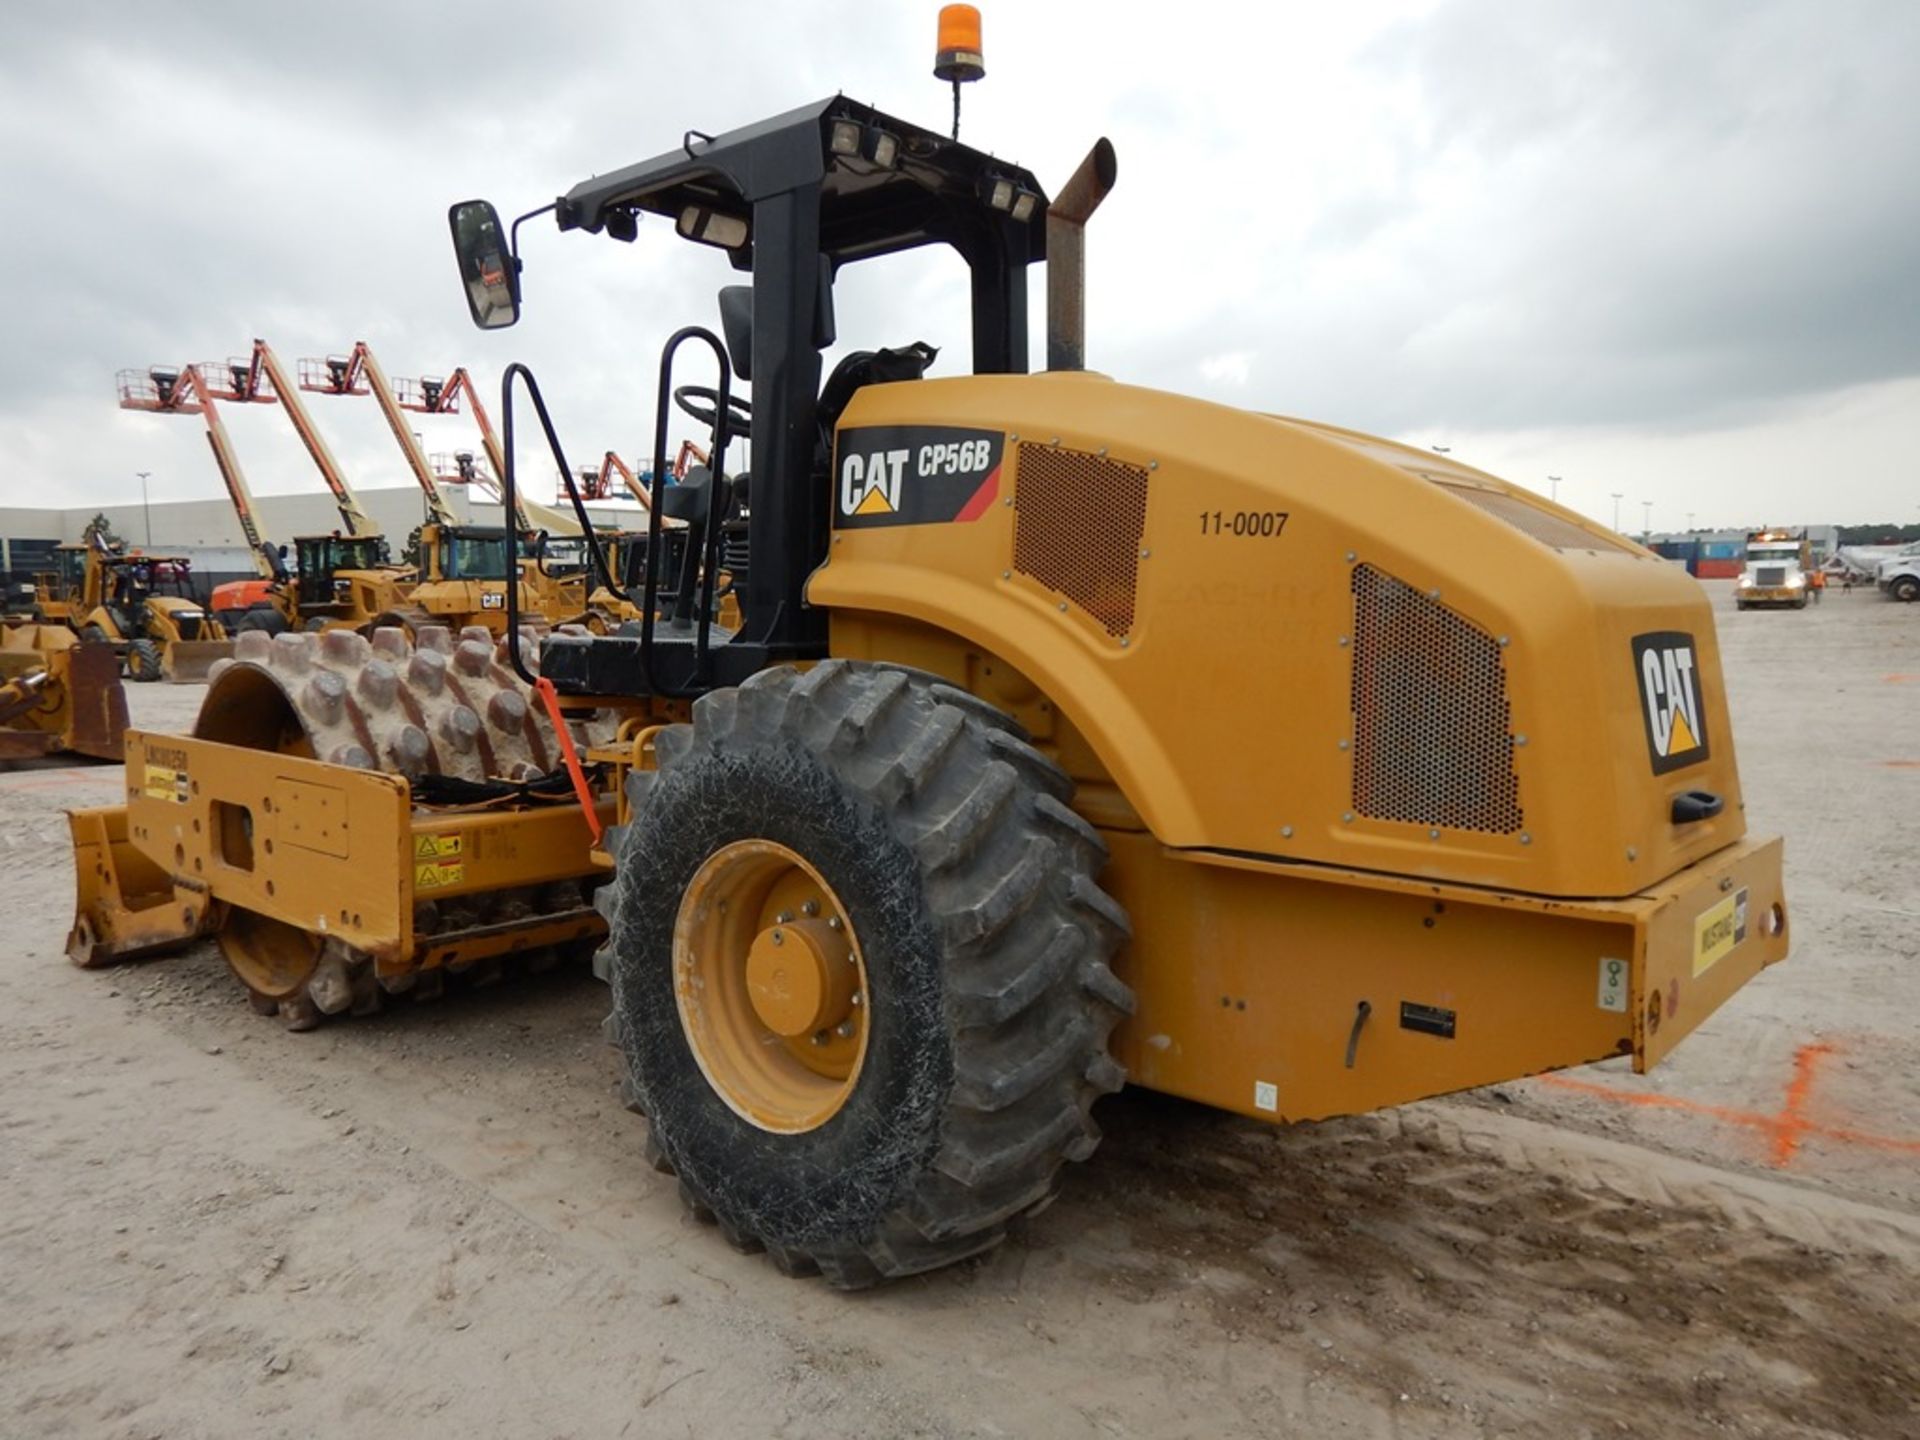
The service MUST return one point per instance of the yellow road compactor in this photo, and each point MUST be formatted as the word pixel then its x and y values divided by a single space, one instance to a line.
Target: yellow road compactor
pixel 1073 733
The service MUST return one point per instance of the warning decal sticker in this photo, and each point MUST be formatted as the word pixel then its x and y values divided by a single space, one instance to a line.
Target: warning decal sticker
pixel 437 861
pixel 165 776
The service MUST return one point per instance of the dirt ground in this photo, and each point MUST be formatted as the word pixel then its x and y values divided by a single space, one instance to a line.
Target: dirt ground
pixel 437 1221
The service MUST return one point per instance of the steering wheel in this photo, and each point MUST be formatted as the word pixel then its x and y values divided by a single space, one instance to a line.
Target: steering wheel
pixel 739 421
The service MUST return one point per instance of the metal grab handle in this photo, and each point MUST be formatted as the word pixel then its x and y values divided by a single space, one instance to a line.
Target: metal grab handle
pixel 508 483
pixel 1696 805
pixel 710 536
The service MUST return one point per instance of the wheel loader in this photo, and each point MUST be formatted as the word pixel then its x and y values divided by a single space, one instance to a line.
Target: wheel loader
pixel 58 693
pixel 1075 733
pixel 336 582
pixel 462 584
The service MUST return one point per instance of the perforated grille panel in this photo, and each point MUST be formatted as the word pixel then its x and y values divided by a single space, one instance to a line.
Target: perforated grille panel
pixel 1543 525
pixel 1770 575
pixel 1078 519
pixel 1432 729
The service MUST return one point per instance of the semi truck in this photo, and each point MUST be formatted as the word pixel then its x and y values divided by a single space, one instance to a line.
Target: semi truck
pixel 1775 573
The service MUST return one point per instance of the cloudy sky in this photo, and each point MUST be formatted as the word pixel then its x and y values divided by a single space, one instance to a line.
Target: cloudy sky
pixel 1656 248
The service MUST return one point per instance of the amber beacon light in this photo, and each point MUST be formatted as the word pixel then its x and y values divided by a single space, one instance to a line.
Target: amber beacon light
pixel 959 57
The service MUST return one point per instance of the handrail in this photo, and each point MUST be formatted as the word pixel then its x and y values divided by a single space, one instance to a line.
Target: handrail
pixel 710 535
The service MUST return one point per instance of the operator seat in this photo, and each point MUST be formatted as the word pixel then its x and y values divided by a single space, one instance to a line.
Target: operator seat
pixel 864 367
pixel 861 367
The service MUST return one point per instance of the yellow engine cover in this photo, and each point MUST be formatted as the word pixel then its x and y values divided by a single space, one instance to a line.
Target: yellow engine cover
pixel 1286 640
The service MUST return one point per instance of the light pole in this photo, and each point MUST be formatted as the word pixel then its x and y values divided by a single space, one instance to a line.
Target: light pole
pixel 1689 522
pixel 146 510
pixel 1617 494
pixel 1646 518
pixel 1554 481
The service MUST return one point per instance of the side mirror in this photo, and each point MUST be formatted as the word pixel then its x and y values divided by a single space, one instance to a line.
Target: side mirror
pixel 488 271
pixel 736 323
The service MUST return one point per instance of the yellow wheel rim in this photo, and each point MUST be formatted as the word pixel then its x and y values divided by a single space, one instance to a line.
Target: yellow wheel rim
pixel 771 986
pixel 271 957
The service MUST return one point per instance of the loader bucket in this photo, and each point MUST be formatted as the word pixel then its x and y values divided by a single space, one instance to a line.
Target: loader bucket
pixel 96 720
pixel 126 906
pixel 186 662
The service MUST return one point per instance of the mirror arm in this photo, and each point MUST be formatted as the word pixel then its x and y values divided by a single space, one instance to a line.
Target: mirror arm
pixel 513 240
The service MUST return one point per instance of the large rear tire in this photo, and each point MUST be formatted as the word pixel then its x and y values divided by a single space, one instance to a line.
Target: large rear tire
pixel 944 1099
pixel 264 618
pixel 143 661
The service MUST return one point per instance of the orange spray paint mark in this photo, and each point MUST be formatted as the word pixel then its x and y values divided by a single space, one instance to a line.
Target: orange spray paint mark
pixel 1784 1130
pixel 1792 1123
pixel 1901 764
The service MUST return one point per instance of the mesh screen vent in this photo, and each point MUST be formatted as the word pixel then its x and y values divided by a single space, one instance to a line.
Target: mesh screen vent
pixel 1078 519
pixel 1432 729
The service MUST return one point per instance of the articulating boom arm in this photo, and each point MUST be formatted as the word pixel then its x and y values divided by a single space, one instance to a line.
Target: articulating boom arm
pixel 433 396
pixel 358 373
pixel 245 385
pixel 165 391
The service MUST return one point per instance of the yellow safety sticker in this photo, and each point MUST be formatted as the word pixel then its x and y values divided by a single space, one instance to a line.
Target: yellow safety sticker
pixel 1717 930
pixel 435 847
pixel 164 783
pixel 437 874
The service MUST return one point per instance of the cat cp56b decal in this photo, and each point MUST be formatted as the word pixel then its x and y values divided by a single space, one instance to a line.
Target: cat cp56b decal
pixel 1670 699
pixel 914 474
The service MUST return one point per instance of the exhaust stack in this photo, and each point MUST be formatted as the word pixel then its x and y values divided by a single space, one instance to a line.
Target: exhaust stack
pixel 1067 220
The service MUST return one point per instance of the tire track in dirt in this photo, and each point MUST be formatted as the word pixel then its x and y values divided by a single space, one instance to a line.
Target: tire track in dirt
pixel 1450 1257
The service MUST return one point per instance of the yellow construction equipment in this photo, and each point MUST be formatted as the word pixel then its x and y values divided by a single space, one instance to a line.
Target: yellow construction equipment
pixel 1073 733
pixel 57 693
pixel 145 608
pixel 463 572
pixel 345 579
pixel 60 592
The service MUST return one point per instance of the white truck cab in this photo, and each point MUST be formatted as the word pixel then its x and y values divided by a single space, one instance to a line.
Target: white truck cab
pixel 1900 574
pixel 1775 572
